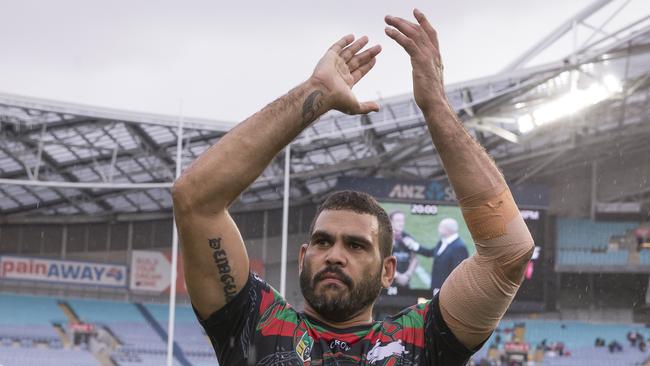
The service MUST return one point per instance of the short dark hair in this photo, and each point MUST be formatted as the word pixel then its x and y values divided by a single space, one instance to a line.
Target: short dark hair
pixel 361 203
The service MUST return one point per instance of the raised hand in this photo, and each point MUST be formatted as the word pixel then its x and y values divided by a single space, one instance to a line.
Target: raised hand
pixel 421 43
pixel 340 69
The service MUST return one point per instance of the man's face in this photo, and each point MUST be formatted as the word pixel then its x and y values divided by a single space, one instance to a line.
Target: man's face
pixel 397 220
pixel 341 267
pixel 442 231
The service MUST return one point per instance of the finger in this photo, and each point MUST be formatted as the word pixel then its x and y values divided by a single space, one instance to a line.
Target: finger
pixel 363 70
pixel 404 41
pixel 363 57
pixel 424 23
pixel 403 25
pixel 342 43
pixel 366 107
pixel 352 50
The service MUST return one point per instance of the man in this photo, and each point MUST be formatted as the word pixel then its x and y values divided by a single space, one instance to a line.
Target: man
pixel 406 260
pixel 642 234
pixel 447 254
pixel 347 260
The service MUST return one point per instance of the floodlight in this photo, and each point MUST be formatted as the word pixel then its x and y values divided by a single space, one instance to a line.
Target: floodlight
pixel 525 123
pixel 612 83
pixel 570 103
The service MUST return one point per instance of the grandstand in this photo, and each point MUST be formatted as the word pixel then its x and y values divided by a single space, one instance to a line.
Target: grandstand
pixel 86 212
pixel 136 332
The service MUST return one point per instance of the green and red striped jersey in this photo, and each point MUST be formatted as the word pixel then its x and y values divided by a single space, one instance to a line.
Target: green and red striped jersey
pixel 259 328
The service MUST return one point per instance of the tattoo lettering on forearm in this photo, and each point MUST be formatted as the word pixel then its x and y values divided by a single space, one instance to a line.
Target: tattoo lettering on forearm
pixel 310 108
pixel 225 271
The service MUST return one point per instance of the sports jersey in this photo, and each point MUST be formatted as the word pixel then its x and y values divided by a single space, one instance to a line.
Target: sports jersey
pixel 259 328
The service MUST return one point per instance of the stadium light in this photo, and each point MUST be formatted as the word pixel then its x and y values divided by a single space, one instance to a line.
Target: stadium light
pixel 570 103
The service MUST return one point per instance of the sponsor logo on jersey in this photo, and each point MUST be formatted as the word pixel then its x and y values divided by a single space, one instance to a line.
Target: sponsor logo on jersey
pixel 342 345
pixel 303 349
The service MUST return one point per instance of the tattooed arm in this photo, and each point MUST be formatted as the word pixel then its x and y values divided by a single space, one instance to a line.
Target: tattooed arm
pixel 215 259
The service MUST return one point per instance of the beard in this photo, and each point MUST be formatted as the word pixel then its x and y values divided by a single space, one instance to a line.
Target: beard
pixel 344 305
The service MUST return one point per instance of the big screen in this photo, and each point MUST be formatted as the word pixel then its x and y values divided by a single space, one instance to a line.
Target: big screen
pixel 420 222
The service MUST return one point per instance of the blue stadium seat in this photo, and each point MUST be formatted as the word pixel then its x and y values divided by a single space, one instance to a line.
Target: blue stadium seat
pixel 578 338
pixel 586 234
pixel 29 310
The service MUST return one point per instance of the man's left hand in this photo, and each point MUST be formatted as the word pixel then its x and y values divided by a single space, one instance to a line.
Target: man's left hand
pixel 421 43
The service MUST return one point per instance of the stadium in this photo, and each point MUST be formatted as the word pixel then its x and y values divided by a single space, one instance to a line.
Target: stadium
pixel 89 256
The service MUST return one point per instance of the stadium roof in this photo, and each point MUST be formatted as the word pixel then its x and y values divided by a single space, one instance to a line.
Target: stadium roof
pixel 66 159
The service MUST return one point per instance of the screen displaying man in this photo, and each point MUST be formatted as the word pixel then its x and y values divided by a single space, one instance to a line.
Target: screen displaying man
pixel 447 254
pixel 406 260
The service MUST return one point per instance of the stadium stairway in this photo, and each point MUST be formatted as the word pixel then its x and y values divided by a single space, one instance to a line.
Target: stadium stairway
pixel 69 313
pixel 634 258
pixel 104 359
pixel 178 352
pixel 67 343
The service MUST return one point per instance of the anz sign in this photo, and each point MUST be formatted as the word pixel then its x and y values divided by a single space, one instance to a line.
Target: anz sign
pixel 433 191
pixel 441 191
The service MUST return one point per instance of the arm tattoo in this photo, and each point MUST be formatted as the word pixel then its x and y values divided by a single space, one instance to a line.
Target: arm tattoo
pixel 310 108
pixel 225 271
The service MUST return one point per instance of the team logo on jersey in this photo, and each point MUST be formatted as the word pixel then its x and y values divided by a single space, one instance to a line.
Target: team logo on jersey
pixel 303 349
pixel 380 352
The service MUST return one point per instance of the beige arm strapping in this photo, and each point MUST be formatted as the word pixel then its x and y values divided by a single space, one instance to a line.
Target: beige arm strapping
pixel 477 293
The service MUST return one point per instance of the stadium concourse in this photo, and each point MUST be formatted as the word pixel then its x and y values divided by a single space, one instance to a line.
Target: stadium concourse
pixel 86 233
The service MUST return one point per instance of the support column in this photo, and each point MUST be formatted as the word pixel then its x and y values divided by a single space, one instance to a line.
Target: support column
pixel 172 287
pixel 129 251
pixel 592 297
pixel 265 241
pixel 285 221
pixel 64 241
pixel 594 189
pixel 558 290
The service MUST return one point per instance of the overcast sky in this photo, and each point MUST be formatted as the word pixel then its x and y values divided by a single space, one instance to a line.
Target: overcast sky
pixel 227 59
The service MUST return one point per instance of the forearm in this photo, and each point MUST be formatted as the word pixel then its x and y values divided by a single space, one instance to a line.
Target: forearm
pixel 469 168
pixel 479 290
pixel 426 252
pixel 213 250
pixel 221 173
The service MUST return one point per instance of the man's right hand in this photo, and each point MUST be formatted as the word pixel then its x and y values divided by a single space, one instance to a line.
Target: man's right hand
pixel 340 69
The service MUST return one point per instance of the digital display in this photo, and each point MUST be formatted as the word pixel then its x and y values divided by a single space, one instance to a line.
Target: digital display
pixel 419 223
pixel 417 274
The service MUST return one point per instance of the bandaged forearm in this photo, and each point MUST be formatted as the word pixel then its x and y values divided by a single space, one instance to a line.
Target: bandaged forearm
pixel 477 293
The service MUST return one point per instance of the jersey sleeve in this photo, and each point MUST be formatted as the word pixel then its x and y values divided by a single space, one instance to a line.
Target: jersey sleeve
pixel 442 347
pixel 231 329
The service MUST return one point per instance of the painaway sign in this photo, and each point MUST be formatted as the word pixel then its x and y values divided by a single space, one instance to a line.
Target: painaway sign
pixel 52 270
